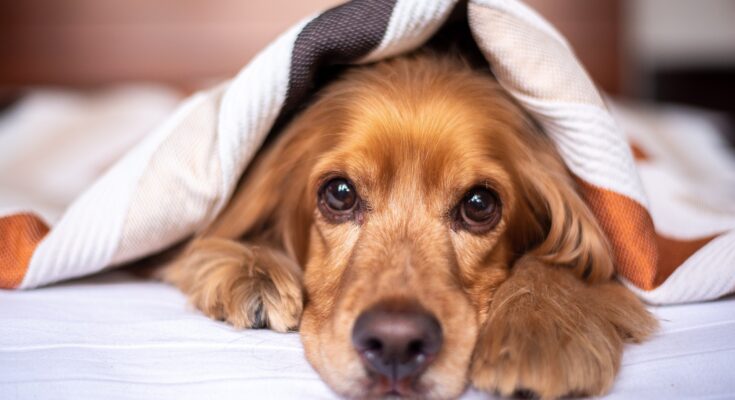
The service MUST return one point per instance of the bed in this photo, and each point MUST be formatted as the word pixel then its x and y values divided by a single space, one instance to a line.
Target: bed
pixel 115 335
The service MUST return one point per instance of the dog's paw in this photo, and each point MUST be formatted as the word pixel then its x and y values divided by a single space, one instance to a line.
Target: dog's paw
pixel 550 335
pixel 247 286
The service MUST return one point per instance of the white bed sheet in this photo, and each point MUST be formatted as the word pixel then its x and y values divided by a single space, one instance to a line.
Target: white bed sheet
pixel 115 336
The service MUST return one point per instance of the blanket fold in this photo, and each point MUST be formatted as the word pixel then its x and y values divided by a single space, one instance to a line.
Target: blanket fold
pixel 181 175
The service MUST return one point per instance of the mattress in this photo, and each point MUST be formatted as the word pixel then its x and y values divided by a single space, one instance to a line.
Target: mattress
pixel 116 336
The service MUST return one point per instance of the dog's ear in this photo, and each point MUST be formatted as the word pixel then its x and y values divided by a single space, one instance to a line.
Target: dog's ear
pixel 553 217
pixel 272 205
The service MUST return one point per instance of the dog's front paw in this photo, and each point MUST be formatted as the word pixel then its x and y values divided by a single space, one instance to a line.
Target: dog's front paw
pixel 247 286
pixel 550 335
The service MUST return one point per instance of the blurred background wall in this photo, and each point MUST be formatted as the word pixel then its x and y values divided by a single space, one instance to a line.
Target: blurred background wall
pixel 678 50
pixel 681 51
pixel 91 42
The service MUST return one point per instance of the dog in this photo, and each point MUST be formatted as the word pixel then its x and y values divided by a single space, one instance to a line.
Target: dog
pixel 423 234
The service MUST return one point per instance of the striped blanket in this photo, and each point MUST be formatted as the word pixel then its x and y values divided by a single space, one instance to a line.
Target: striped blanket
pixel 176 180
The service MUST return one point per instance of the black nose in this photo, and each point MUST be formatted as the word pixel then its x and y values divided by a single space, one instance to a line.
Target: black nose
pixel 397 342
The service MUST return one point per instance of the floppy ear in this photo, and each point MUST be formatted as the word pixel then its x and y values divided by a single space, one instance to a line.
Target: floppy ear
pixel 554 217
pixel 247 267
pixel 272 205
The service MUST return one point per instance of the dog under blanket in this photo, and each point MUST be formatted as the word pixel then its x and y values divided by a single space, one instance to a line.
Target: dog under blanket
pixel 181 176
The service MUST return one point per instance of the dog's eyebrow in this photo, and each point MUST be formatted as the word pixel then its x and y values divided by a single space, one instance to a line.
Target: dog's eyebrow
pixel 458 189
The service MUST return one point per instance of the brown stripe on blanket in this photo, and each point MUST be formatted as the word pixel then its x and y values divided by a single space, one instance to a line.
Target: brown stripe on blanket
pixel 340 35
pixel 630 230
pixel 644 257
pixel 673 253
pixel 19 236
pixel 638 153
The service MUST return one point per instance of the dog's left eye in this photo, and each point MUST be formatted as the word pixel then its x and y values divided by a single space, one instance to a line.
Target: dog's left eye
pixel 338 199
pixel 479 209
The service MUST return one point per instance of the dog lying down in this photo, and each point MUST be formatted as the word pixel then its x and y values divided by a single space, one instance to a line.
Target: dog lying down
pixel 422 234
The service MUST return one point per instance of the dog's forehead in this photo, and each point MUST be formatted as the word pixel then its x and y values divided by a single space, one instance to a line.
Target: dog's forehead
pixel 428 146
pixel 435 125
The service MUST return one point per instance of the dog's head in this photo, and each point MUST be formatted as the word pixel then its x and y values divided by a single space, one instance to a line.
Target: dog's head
pixel 406 191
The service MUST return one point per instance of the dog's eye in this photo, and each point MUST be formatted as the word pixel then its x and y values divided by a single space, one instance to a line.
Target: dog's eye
pixel 338 199
pixel 479 209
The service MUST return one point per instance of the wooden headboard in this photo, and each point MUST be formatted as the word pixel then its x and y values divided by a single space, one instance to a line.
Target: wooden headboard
pixel 188 42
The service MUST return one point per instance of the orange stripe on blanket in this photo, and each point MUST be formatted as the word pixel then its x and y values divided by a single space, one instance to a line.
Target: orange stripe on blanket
pixel 642 256
pixel 630 230
pixel 673 252
pixel 19 236
pixel 638 153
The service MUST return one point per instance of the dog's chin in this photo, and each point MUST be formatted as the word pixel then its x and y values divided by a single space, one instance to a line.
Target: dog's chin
pixel 370 386
pixel 356 382
pixel 378 387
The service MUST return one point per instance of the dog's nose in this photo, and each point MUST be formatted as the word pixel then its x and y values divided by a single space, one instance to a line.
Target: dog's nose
pixel 397 343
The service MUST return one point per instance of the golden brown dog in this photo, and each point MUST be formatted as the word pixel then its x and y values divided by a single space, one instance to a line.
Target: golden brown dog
pixel 422 234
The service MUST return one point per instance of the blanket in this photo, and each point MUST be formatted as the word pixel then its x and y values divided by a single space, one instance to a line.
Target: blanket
pixel 181 175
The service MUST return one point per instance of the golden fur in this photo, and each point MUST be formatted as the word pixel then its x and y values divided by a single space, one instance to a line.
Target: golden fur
pixel 528 305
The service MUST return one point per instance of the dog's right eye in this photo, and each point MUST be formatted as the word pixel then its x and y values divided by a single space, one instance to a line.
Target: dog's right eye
pixel 338 199
pixel 479 210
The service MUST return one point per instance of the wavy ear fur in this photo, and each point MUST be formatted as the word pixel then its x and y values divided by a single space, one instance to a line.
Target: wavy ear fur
pixel 553 216
pixel 247 267
pixel 273 205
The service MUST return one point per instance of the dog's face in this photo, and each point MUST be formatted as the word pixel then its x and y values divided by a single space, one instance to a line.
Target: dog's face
pixel 408 240
pixel 421 195
pixel 407 191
